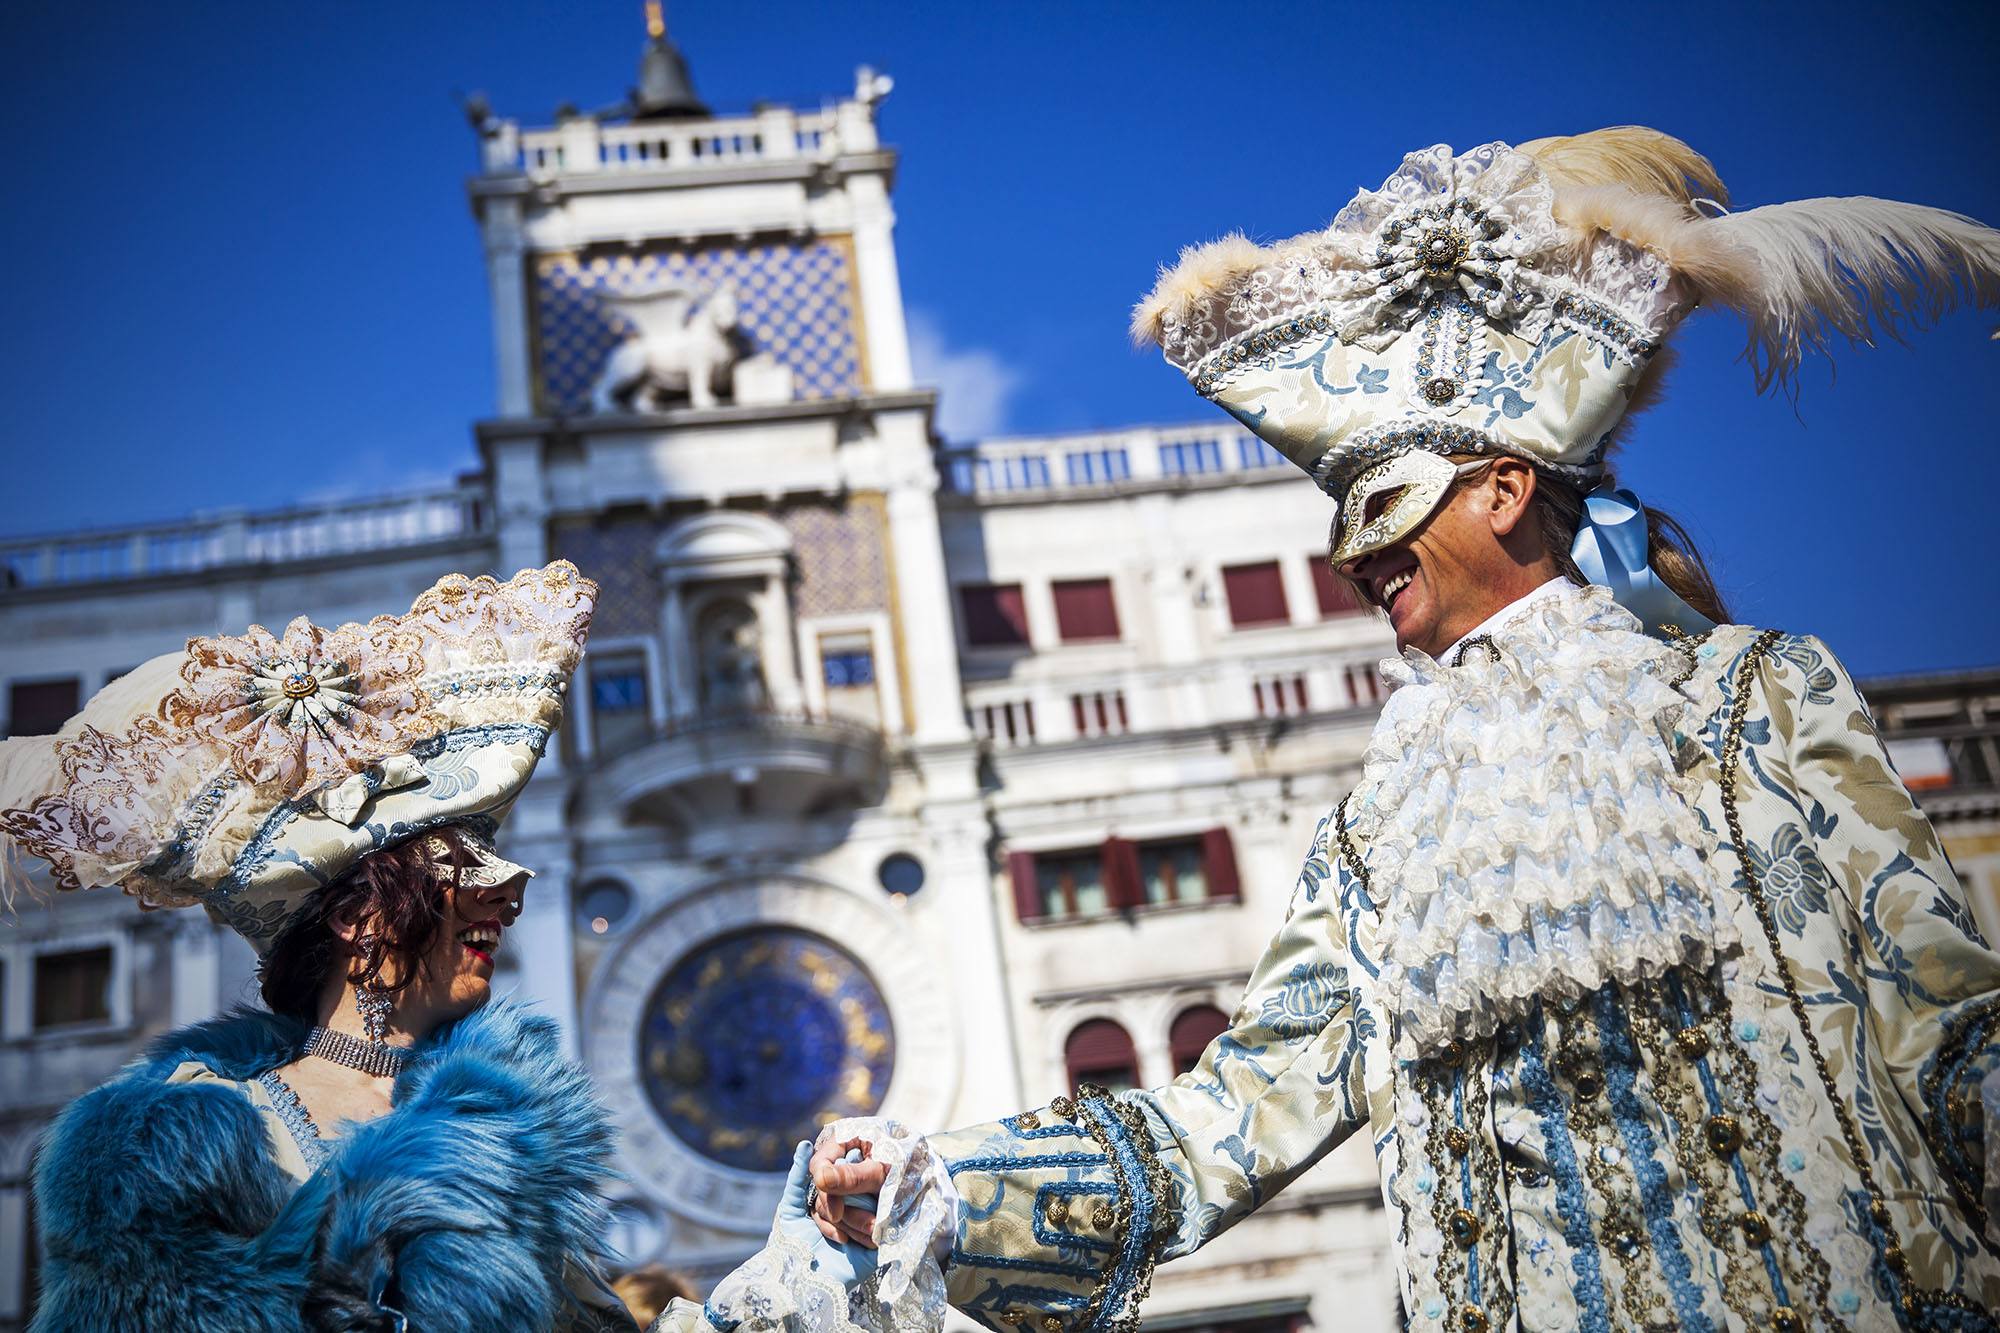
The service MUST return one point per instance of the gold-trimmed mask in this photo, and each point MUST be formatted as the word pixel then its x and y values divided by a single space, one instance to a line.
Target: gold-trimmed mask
pixel 1413 484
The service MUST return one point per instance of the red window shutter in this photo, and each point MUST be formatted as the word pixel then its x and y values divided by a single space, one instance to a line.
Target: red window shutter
pixel 1100 1051
pixel 1123 887
pixel 1256 594
pixel 1191 1034
pixel 1218 855
pixel 994 614
pixel 1027 893
pixel 1336 594
pixel 1085 609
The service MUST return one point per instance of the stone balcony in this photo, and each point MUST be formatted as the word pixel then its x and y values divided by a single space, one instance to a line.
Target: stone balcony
pixel 744 779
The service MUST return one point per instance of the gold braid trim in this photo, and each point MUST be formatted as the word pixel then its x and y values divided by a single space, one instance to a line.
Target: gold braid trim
pixel 1913 1300
pixel 1158 1180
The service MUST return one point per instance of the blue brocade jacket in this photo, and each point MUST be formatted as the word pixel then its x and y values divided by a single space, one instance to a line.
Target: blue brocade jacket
pixel 1790 1140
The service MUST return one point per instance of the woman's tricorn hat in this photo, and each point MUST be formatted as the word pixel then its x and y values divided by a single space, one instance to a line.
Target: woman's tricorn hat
pixel 1514 300
pixel 246 773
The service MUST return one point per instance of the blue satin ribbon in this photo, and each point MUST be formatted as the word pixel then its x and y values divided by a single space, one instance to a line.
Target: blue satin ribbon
pixel 1610 549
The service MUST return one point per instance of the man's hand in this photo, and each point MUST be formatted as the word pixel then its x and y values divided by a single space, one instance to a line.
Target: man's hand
pixel 845 1263
pixel 840 1170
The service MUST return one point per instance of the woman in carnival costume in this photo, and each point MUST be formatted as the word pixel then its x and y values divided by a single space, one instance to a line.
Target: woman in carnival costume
pixel 382 1148
pixel 1650 983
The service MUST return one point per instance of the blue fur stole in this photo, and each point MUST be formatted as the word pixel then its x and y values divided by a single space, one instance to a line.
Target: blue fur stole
pixel 465 1208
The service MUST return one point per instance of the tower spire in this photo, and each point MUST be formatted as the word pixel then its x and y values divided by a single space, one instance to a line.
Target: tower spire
pixel 665 90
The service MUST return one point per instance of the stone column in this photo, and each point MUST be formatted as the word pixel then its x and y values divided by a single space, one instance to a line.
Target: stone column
pixel 506 285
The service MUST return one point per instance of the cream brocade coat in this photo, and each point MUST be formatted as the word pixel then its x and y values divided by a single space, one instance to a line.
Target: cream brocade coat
pixel 1679 1155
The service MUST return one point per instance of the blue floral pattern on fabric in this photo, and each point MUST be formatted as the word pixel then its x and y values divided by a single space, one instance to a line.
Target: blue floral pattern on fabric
pixel 1795 882
pixel 1301 1005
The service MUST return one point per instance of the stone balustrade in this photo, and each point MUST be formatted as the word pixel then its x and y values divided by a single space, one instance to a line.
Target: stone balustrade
pixel 1073 462
pixel 583 145
pixel 222 541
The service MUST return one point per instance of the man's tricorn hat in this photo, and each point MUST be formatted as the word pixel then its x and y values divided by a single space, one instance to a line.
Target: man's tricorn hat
pixel 1515 300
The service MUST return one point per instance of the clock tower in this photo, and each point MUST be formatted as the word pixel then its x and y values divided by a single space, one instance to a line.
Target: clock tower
pixel 765 898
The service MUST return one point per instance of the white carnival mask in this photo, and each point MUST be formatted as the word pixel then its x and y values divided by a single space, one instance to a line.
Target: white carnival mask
pixel 1414 484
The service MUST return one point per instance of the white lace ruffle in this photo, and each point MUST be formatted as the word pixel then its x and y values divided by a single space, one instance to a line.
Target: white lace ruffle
pixel 780 1288
pixel 1534 837
pixel 1365 272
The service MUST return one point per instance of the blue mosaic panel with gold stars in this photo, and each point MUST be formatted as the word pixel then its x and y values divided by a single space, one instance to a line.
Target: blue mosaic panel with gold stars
pixel 755 1040
pixel 797 302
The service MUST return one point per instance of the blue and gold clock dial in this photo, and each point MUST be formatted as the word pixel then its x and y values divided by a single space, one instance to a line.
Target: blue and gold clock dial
pixel 754 1040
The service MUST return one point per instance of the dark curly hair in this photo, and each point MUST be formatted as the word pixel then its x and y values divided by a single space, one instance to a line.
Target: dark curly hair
pixel 397 894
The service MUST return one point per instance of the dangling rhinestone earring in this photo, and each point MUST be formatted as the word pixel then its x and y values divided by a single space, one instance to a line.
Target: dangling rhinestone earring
pixel 374 1007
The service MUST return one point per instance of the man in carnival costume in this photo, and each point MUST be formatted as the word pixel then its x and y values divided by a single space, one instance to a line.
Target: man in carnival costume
pixel 1650 983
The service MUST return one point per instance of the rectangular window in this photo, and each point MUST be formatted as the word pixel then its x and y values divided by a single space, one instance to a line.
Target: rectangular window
pixel 1099 714
pixel 73 987
pixel 619 717
pixel 1089 467
pixel 1336 594
pixel 1085 609
pixel 847 665
pixel 1256 594
pixel 1071 883
pixel 1190 457
pixel 40 707
pixel 1253 453
pixel 1173 872
pixel 995 616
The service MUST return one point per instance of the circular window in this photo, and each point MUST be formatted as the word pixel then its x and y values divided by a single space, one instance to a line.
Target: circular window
pixel 901 873
pixel 603 905
pixel 753 1041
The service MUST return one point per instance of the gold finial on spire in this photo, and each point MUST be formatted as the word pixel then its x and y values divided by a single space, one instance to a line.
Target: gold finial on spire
pixel 656 25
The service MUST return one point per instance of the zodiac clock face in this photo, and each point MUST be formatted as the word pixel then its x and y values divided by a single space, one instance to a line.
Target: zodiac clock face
pixel 740 1018
pixel 753 1041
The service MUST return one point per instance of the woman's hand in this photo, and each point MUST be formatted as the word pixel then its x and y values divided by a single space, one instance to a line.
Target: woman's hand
pixel 840 1170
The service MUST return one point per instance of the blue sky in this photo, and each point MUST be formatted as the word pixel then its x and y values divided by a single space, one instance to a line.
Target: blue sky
pixel 245 275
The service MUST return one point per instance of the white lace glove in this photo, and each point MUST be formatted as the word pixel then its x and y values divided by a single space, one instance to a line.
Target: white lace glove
pixel 802 1283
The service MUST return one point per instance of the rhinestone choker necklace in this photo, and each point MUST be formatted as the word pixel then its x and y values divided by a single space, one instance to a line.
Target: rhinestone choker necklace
pixel 370 1057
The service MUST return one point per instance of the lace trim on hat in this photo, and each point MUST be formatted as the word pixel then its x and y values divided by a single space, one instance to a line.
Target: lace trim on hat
pixel 1536 838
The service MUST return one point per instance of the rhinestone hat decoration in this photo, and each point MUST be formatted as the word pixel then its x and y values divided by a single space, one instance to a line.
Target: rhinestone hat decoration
pixel 247 771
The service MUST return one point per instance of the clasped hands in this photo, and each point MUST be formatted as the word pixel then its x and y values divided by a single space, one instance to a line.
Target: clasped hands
pixel 829 1206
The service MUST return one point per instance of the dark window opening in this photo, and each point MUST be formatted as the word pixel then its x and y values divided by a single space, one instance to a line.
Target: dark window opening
pixel 1085 610
pixel 73 987
pixel 995 615
pixel 1101 1052
pixel 40 707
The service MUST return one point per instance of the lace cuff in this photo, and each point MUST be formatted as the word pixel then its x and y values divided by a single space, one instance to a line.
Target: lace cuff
pixel 782 1286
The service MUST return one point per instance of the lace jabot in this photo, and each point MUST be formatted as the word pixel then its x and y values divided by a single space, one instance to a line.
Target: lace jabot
pixel 1529 830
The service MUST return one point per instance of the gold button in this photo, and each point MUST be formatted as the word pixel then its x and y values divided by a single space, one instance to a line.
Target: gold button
pixel 1692 1041
pixel 1589 1083
pixel 1725 1136
pixel 1453 1053
pixel 1625 1241
pixel 1051 1324
pixel 1465 1228
pixel 1472 1319
pixel 1755 1229
pixel 1058 1210
pixel 1457 1140
pixel 1102 1217
pixel 1028 1120
pixel 1785 1319
pixel 1013 1315
pixel 1063 1107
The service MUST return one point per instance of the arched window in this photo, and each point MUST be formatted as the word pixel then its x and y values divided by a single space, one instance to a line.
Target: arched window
pixel 1100 1051
pixel 1191 1034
